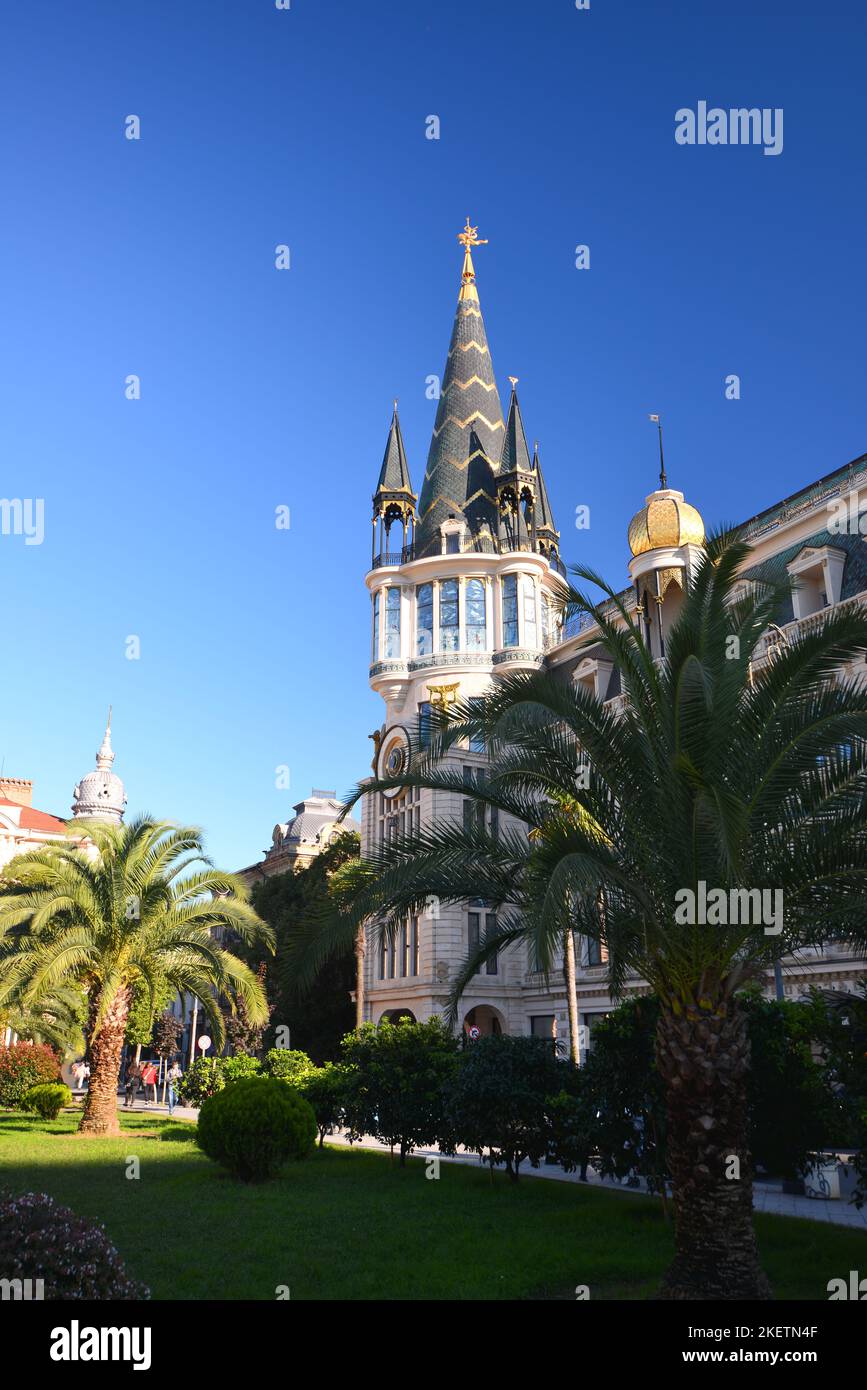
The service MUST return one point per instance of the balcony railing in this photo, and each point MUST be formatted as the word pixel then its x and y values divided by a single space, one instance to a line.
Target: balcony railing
pixel 392 558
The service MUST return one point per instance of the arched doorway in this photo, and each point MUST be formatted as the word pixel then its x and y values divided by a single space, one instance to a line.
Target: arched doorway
pixel 488 1020
pixel 393 1015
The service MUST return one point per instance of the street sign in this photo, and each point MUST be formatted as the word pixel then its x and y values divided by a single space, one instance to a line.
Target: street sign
pixel 204 1042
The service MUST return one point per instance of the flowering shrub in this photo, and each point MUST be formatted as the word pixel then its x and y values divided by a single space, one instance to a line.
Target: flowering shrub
pixel 47 1100
pixel 41 1240
pixel 24 1065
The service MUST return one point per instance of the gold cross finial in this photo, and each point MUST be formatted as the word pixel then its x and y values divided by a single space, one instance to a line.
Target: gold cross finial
pixel 469 238
pixel 514 380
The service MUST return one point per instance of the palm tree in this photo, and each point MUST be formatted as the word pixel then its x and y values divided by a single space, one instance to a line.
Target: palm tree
pixel 714 774
pixel 134 903
pixel 56 1019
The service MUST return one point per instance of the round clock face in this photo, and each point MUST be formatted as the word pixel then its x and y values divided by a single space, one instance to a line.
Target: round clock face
pixel 394 761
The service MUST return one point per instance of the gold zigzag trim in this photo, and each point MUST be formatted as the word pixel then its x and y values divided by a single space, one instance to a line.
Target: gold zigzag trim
pixel 462 424
pixel 465 347
pixel 468 310
pixel 459 506
pixel 462 385
pixel 459 464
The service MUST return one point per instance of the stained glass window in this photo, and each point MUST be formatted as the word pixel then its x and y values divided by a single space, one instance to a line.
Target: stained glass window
pixel 449 615
pixel 424 620
pixel 476 624
pixel 510 610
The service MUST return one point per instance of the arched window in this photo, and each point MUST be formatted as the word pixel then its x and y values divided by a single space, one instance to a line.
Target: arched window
pixel 476 619
pixel 449 629
pixel 424 619
pixel 392 623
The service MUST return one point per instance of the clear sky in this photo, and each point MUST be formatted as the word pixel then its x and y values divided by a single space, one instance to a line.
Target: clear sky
pixel 262 388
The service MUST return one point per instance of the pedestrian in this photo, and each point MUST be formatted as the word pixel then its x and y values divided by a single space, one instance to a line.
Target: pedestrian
pixel 149 1078
pixel 87 1076
pixel 175 1075
pixel 130 1083
pixel 78 1075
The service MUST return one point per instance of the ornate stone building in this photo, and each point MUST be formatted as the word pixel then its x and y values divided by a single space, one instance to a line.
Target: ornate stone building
pixel 470 590
pixel 297 843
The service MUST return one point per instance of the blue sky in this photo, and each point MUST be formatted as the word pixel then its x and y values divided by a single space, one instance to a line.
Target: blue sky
pixel 263 387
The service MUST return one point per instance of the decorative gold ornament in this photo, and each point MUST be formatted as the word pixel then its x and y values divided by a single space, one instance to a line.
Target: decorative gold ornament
pixel 665 521
pixel 443 695
pixel 377 744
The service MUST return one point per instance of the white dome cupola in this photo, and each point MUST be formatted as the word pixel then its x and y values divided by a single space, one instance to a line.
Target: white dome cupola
pixel 100 795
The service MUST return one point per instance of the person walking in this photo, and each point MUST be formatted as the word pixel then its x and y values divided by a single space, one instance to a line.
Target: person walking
pixel 149 1078
pixel 78 1075
pixel 175 1075
pixel 130 1084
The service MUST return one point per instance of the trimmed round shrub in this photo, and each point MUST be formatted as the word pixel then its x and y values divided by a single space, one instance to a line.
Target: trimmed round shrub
pixel 41 1240
pixel 255 1126
pixel 47 1100
pixel 24 1065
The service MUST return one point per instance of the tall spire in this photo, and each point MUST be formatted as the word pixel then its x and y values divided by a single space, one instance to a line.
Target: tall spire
pixel 545 527
pixel 468 432
pixel 105 756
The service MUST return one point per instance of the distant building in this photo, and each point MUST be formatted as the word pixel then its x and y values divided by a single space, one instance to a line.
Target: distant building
pixel 23 828
pixel 296 844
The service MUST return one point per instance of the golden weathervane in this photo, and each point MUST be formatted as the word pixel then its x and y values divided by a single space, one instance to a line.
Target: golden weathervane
pixel 469 237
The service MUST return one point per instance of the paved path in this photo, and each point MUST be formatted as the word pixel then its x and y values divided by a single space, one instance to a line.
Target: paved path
pixel 767 1196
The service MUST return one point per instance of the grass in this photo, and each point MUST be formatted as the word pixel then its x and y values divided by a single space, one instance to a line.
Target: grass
pixel 353 1225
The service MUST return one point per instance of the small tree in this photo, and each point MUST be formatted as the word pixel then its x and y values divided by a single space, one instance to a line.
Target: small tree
pixel 498 1100
pixel 395 1081
pixel 325 1090
pixel 286 1064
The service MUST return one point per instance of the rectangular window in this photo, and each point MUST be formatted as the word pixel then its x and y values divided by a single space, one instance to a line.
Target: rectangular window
pixel 424 620
pixel 375 627
pixel 475 616
pixel 546 620
pixel 473 927
pixel 392 624
pixel 491 925
pixel 510 610
pixel 449 628
pixel 414 946
pixel 529 594
pixel 404 951
pixel 382 951
pixel 477 742
pixel 424 729
pixel 391 958
pixel 453 543
pixel 495 822
pixel 542 1026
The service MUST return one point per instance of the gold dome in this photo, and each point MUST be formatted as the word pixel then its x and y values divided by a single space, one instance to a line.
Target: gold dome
pixel 665 522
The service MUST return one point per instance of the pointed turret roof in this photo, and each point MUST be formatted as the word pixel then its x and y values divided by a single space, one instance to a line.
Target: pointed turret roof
pixel 515 455
pixel 467 439
pixel 394 474
pixel 544 515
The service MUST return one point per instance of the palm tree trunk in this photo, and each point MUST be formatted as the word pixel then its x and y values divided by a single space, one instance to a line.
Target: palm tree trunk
pixel 703 1057
pixel 571 995
pixel 359 977
pixel 100 1104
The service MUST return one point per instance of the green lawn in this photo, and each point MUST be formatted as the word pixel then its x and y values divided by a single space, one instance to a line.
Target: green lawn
pixel 354 1225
